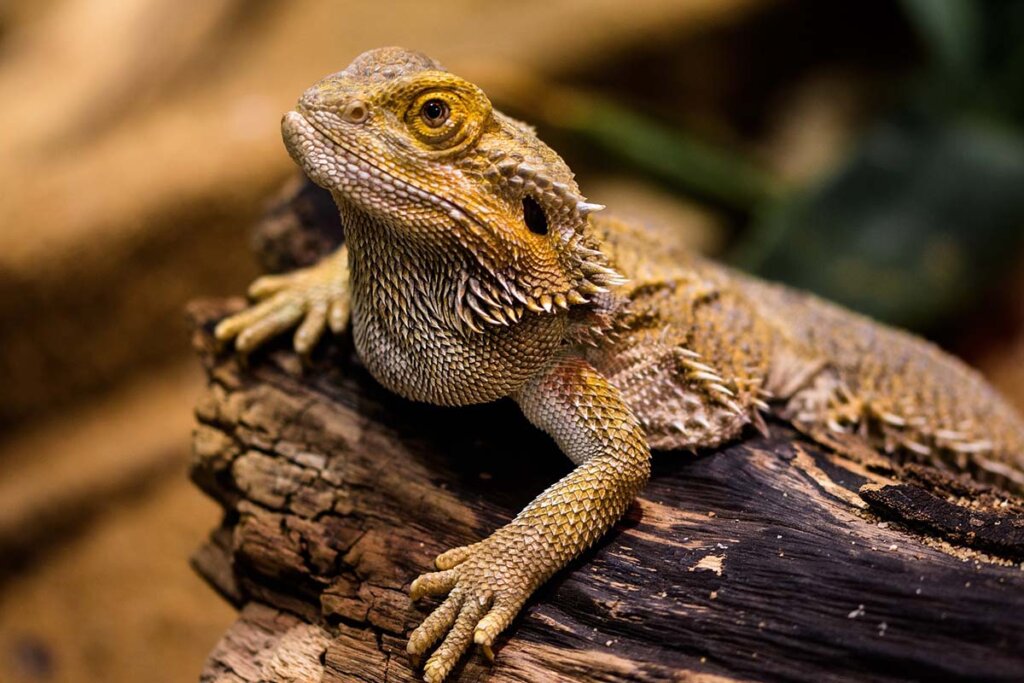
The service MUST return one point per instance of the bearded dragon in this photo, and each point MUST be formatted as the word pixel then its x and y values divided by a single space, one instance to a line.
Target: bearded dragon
pixel 473 269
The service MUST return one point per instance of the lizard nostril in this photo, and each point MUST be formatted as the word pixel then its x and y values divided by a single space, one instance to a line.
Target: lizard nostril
pixel 356 111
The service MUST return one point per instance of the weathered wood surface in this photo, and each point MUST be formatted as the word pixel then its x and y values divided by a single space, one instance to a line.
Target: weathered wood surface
pixel 765 561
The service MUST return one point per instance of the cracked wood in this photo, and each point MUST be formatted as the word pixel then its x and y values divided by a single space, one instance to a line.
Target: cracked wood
pixel 749 563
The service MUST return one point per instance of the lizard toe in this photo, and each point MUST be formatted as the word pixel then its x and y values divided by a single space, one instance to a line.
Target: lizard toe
pixel 497 620
pixel 311 329
pixel 457 641
pixel 276 320
pixel 264 286
pixel 233 325
pixel 435 625
pixel 433 583
pixel 337 316
pixel 455 556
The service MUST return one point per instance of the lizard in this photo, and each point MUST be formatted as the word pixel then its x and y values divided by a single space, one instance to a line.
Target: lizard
pixel 473 269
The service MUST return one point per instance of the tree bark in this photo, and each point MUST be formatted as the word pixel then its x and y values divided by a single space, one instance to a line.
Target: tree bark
pixel 769 559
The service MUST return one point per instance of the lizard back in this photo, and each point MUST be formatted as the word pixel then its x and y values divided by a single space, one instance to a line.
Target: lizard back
pixel 708 350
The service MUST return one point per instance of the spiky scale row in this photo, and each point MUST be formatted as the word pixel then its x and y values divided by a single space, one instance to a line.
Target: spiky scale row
pixel 584 270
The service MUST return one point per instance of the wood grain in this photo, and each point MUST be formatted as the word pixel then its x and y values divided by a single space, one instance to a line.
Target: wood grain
pixel 767 560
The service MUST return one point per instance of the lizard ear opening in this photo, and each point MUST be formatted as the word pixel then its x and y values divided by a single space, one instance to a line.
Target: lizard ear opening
pixel 534 216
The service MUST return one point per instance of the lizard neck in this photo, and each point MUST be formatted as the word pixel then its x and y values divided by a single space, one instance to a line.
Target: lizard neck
pixel 406 327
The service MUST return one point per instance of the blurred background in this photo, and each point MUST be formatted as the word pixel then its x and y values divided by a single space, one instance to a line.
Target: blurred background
pixel 870 151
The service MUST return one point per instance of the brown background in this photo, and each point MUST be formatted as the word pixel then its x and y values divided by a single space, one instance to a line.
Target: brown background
pixel 140 143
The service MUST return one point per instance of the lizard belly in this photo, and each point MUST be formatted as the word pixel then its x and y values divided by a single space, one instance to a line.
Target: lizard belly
pixel 449 366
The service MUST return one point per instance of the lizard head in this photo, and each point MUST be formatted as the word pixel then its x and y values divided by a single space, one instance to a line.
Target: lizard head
pixel 424 154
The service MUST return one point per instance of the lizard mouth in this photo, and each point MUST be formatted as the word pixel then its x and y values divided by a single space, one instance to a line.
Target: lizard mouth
pixel 338 168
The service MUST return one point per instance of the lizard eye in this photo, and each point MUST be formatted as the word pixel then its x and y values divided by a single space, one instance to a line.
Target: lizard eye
pixel 445 117
pixel 435 112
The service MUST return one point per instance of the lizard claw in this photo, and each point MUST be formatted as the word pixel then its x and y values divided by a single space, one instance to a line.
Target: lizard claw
pixel 312 299
pixel 486 589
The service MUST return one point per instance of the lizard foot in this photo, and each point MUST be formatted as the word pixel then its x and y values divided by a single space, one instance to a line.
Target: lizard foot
pixel 316 296
pixel 487 584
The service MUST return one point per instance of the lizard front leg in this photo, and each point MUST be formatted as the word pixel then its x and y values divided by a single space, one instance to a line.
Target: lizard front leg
pixel 488 582
pixel 317 296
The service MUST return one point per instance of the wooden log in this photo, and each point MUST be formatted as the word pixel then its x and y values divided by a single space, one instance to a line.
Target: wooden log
pixel 769 559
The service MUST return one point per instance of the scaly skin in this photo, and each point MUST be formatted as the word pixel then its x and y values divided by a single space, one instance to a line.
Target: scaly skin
pixel 473 270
